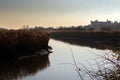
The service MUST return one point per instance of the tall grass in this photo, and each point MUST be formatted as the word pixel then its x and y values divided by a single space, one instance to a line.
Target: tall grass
pixel 106 67
pixel 75 63
pixel 13 42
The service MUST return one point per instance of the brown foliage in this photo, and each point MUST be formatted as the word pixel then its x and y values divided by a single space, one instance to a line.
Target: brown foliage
pixel 89 38
pixel 15 41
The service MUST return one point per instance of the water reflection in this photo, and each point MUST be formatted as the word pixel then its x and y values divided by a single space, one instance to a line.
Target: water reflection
pixel 91 44
pixel 13 70
pixel 31 69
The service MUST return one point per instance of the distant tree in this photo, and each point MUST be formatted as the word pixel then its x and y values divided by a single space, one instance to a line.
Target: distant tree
pixel 25 27
pixel 50 28
pixel 39 28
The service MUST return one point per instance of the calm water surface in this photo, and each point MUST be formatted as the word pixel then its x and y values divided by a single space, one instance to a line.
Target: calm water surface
pixel 58 65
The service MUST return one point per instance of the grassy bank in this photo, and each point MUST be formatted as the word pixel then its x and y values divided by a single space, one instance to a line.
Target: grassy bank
pixel 14 43
pixel 98 39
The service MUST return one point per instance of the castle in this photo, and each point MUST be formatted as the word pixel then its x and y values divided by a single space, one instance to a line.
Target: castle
pixel 101 25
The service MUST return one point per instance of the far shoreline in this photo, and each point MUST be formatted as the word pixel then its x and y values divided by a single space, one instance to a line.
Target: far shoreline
pixel 93 39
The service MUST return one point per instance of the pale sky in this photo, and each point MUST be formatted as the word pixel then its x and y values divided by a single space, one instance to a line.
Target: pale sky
pixel 16 13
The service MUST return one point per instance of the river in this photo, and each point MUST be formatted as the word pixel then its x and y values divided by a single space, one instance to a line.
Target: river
pixel 58 65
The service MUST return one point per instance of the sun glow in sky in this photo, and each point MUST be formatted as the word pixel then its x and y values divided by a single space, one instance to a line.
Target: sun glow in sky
pixel 16 13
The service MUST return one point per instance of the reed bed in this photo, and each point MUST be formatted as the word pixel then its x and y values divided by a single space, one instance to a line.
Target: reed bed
pixel 22 42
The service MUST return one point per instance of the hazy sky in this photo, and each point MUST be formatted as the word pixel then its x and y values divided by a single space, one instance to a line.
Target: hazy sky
pixel 15 13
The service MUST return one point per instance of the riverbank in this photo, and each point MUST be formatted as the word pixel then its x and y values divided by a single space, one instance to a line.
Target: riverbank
pixel 94 39
pixel 17 43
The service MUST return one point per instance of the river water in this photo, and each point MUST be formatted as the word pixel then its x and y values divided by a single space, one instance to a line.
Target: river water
pixel 58 65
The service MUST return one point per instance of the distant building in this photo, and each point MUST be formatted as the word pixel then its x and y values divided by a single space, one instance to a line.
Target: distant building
pixel 104 25
pixel 97 25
